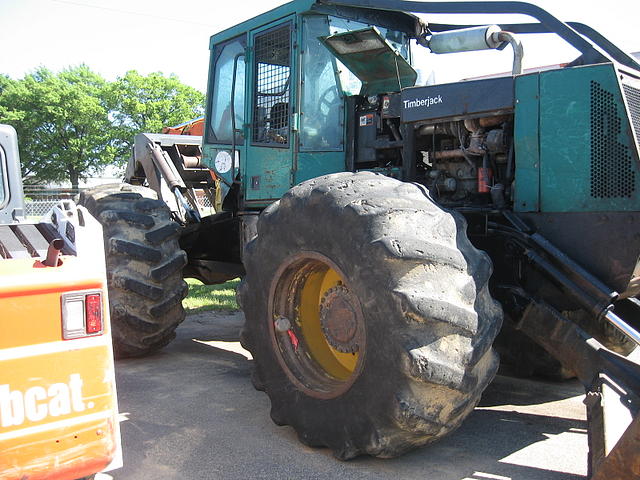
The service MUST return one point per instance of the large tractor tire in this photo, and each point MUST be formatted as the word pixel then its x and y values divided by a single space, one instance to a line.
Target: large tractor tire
pixel 368 315
pixel 144 266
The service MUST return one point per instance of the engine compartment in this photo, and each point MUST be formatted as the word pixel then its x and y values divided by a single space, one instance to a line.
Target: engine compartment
pixel 464 159
pixel 467 162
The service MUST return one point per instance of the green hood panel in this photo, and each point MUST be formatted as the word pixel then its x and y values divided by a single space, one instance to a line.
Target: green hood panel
pixel 372 59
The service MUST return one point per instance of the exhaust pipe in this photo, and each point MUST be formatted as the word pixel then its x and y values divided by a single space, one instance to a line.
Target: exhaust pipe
pixel 53 252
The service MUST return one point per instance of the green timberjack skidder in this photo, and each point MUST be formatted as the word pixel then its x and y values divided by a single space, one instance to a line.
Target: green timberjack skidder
pixel 393 236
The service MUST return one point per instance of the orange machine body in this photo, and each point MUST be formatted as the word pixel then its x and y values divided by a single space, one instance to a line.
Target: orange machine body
pixel 58 409
pixel 192 127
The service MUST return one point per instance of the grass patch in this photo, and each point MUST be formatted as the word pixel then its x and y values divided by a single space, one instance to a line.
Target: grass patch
pixel 211 297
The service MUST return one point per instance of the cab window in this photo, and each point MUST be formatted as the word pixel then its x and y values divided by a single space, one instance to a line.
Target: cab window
pixel 229 57
pixel 322 112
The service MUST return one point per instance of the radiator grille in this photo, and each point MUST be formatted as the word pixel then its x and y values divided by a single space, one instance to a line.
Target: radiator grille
pixel 633 99
pixel 272 87
pixel 612 172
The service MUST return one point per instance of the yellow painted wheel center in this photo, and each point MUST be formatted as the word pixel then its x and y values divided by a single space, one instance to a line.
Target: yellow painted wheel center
pixel 316 286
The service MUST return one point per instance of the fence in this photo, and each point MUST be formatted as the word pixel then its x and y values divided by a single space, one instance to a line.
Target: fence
pixel 38 200
pixel 37 208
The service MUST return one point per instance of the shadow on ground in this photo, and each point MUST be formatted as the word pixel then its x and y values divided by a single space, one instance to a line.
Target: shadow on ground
pixel 192 414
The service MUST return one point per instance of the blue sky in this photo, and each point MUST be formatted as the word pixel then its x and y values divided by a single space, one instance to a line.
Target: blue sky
pixel 172 36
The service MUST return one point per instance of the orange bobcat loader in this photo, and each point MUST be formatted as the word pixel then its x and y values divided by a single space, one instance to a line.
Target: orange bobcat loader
pixel 58 411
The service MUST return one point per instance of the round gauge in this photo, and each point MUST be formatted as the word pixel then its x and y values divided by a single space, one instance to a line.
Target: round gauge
pixel 223 162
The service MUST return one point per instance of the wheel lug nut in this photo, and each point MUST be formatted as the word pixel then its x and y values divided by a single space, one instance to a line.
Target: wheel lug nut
pixel 282 325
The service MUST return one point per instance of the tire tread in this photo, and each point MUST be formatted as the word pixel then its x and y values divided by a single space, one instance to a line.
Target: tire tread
pixel 144 263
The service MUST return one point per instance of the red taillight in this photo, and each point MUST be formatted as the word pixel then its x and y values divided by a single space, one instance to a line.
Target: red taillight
pixel 93 309
pixel 81 314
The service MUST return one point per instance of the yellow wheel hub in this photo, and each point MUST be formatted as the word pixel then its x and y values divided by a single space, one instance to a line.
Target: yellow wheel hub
pixel 318 325
pixel 338 364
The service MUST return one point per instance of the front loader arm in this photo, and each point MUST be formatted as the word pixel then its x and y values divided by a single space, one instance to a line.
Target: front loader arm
pixel 151 156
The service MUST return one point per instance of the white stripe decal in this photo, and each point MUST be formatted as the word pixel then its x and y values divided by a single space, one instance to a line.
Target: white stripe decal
pixel 53 425
pixel 52 347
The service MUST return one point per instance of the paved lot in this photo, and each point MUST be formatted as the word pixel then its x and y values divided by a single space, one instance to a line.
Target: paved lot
pixel 190 412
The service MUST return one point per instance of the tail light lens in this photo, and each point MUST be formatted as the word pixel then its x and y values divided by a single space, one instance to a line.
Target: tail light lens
pixel 93 313
pixel 81 314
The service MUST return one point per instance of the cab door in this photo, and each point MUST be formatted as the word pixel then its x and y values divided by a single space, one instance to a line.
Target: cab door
pixel 272 91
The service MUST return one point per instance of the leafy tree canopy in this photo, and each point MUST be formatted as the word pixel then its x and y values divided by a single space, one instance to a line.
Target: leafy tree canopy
pixel 73 124
pixel 62 124
pixel 5 81
pixel 148 103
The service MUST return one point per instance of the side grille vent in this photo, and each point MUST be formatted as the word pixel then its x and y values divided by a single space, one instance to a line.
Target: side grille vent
pixel 612 172
pixel 633 99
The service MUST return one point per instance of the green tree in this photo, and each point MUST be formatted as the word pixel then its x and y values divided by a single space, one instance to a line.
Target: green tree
pixel 62 123
pixel 5 81
pixel 141 103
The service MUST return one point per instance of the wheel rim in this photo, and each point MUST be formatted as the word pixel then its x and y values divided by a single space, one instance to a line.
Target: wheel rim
pixel 317 325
